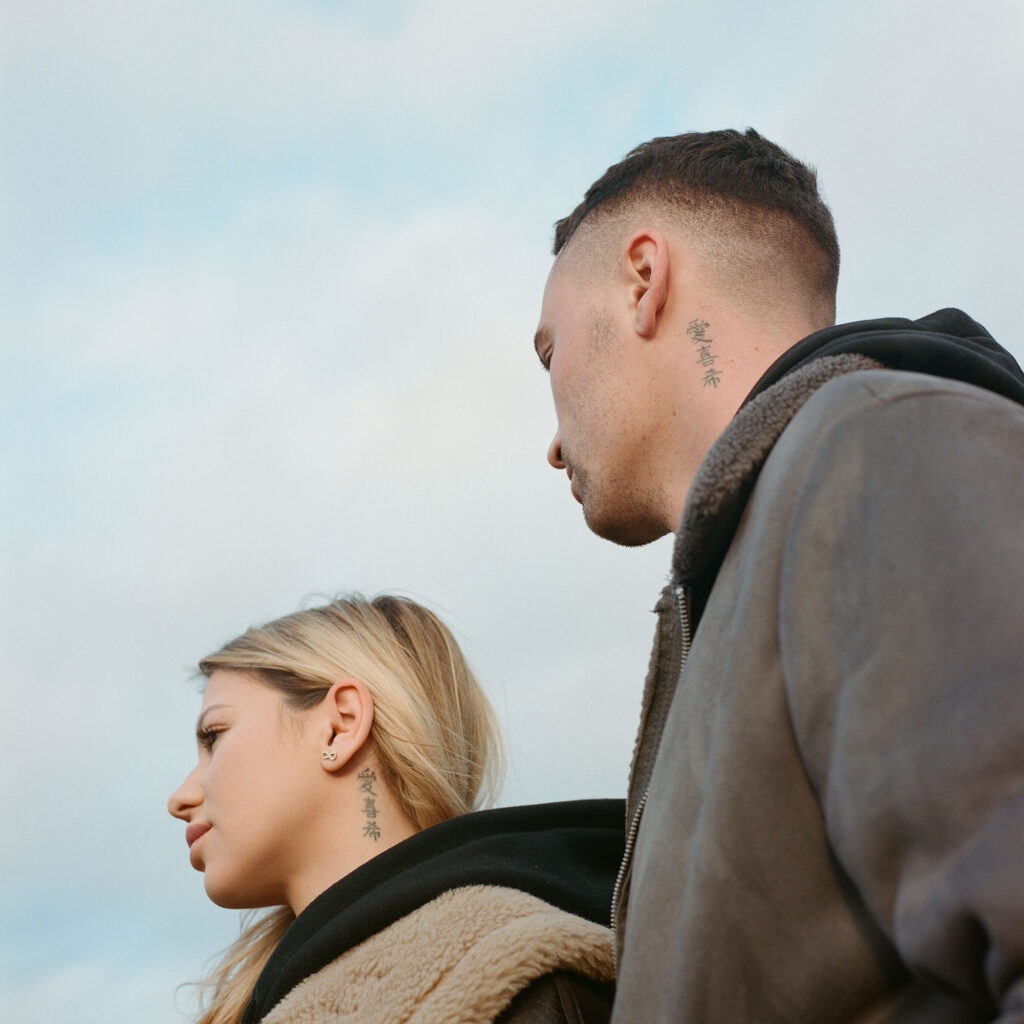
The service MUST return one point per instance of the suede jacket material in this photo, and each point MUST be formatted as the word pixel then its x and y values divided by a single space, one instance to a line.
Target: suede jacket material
pixel 826 802
pixel 460 922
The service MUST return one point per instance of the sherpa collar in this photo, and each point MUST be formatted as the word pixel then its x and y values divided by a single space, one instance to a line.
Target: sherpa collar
pixel 461 957
pixel 727 475
pixel 712 513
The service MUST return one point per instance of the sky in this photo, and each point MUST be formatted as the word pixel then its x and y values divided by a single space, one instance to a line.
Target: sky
pixel 269 276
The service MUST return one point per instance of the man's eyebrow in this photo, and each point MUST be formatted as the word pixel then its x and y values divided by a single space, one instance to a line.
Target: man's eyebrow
pixel 206 711
pixel 539 339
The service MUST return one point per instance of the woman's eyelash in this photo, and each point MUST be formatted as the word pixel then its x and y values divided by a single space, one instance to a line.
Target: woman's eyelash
pixel 207 736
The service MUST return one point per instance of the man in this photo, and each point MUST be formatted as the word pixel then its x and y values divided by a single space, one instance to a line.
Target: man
pixel 826 802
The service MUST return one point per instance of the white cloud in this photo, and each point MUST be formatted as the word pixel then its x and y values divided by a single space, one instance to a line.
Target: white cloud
pixel 396 440
pixel 349 407
pixel 292 355
pixel 911 128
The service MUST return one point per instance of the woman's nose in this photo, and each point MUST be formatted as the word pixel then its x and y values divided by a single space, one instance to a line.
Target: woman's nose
pixel 187 797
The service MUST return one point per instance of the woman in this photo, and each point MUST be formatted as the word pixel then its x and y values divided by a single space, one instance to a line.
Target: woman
pixel 341 750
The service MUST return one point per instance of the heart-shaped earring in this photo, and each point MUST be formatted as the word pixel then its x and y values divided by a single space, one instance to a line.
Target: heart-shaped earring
pixel 330 755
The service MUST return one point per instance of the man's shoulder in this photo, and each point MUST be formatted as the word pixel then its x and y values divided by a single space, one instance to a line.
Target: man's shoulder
pixel 881 428
pixel 880 399
pixel 863 389
pixel 805 426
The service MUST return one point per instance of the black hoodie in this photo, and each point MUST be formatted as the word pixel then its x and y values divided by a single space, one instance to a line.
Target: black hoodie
pixel 564 853
pixel 947 343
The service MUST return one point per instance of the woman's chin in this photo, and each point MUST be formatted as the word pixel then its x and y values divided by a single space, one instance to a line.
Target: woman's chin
pixel 232 897
pixel 225 896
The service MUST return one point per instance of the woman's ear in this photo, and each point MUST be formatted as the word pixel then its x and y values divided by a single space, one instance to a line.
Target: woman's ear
pixel 647 266
pixel 348 718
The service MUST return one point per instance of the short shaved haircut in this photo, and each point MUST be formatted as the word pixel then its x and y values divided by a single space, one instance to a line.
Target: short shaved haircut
pixel 753 208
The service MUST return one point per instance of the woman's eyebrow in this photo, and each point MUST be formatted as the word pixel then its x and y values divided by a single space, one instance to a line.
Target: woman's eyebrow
pixel 206 711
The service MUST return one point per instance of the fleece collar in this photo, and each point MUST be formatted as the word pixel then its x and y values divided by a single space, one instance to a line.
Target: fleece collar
pixel 566 854
pixel 728 473
pixel 461 957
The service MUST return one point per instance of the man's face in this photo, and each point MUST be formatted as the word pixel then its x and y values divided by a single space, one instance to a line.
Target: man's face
pixel 604 406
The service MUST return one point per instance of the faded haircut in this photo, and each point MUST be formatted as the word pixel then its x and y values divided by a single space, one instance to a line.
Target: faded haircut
pixel 742 193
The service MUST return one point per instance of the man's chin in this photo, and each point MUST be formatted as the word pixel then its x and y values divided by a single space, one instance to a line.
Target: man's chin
pixel 629 532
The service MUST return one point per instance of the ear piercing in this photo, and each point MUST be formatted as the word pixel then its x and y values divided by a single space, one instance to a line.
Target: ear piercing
pixel 330 755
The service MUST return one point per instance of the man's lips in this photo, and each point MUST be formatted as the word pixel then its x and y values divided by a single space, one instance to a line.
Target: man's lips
pixel 193 832
pixel 572 487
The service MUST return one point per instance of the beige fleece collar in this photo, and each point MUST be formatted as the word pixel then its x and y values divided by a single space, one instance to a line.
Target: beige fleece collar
pixel 459 959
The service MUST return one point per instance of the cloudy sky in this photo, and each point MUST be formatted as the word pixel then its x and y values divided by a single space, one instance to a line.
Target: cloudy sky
pixel 270 275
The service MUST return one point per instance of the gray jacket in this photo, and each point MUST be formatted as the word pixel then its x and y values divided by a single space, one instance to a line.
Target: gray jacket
pixel 827 796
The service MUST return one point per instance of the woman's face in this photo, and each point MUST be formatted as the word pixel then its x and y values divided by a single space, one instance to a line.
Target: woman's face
pixel 252 793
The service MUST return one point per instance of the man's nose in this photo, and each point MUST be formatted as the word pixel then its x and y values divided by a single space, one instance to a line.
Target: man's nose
pixel 555 452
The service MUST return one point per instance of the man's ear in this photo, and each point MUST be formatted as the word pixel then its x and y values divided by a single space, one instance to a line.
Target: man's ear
pixel 348 717
pixel 647 267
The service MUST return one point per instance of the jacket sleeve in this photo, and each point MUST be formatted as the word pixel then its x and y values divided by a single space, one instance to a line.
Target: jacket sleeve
pixel 902 641
pixel 561 997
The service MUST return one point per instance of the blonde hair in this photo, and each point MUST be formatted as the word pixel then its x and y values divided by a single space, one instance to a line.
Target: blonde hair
pixel 437 741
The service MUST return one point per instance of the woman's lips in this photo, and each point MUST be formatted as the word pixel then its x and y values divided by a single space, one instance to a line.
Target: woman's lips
pixel 193 832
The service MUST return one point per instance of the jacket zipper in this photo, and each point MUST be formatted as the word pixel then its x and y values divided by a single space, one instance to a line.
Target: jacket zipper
pixel 682 605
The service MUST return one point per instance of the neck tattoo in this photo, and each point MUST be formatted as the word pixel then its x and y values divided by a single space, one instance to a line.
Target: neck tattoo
pixel 698 332
pixel 367 780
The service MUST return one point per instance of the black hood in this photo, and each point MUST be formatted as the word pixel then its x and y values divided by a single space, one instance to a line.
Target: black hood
pixel 565 853
pixel 947 343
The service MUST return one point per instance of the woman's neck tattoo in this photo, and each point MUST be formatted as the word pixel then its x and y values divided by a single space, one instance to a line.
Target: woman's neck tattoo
pixel 367 780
